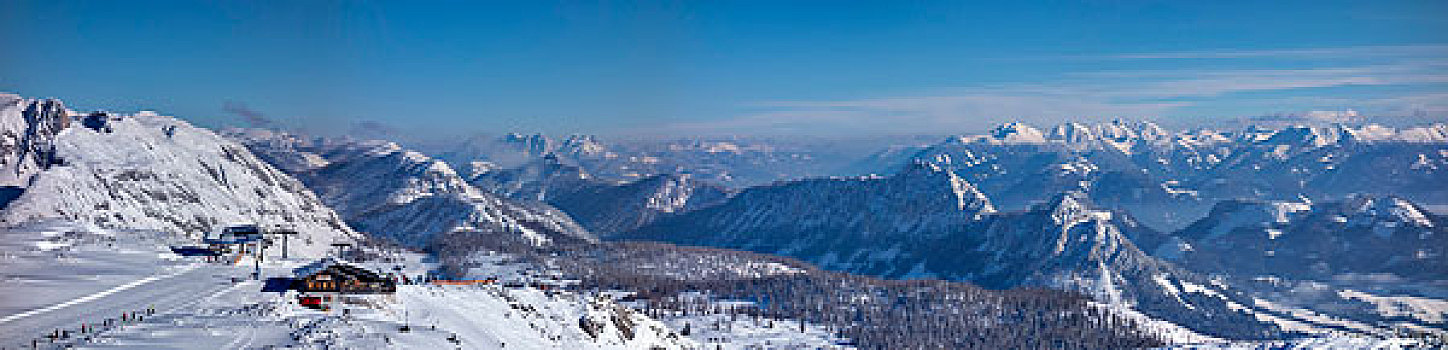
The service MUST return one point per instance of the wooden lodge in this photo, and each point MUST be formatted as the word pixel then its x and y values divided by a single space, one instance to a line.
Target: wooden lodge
pixel 331 276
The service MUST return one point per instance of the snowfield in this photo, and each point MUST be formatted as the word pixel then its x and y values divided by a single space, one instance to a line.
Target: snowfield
pixel 438 317
pixel 89 275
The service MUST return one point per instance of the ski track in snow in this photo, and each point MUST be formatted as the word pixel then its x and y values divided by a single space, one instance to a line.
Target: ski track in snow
pixel 92 297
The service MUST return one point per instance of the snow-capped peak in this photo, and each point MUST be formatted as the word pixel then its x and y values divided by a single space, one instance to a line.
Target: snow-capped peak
pixel 582 145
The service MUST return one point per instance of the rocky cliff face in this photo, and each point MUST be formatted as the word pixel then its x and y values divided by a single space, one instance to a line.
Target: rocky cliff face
pixel 27 137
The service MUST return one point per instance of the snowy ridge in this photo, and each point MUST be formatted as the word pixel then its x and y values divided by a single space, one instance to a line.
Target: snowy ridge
pixel 539 180
pixel 1142 167
pixel 511 150
pixel 153 172
pixel 604 207
pixel 388 191
pixel 866 220
pixel 1366 265
pixel 1362 235
pixel 844 224
pixel 1070 244
pixel 609 209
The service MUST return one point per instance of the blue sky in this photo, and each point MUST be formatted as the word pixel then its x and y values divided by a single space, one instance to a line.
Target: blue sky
pixel 731 67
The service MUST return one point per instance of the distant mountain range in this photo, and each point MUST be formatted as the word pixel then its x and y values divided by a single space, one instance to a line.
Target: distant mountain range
pixel 1144 168
pixel 939 217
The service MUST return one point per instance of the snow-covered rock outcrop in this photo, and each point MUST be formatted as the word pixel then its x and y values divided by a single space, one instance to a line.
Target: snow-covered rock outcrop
pixel 27 137
pixel 153 172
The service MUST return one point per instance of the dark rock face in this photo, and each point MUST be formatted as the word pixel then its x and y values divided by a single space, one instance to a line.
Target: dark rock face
pixel 9 193
pixel 97 121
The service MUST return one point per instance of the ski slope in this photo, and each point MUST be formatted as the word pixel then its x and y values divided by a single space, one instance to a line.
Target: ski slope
pixel 59 276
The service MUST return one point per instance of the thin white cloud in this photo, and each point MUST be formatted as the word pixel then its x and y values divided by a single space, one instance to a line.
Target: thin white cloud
pixel 927 114
pixel 1311 53
pixel 1434 103
pixel 1143 94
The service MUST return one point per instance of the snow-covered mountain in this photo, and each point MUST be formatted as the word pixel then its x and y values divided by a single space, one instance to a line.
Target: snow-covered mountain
pixel 509 150
pixel 1017 164
pixel 1142 167
pixel 858 224
pixel 387 191
pixel 615 208
pixel 1303 240
pixel 1367 264
pixel 604 207
pixel 146 171
pixel 926 222
pixel 540 179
